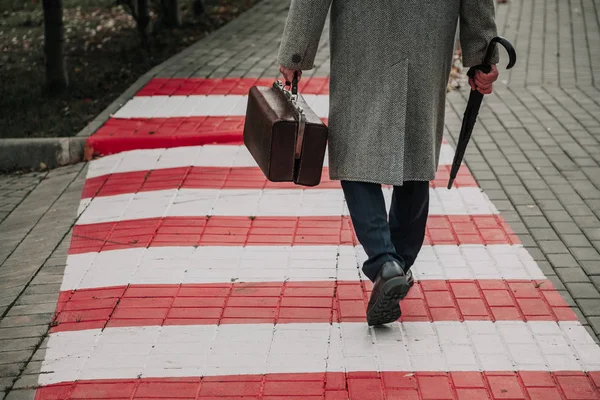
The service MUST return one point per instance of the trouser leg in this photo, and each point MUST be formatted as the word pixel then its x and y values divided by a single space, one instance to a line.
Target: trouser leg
pixel 369 216
pixel 408 217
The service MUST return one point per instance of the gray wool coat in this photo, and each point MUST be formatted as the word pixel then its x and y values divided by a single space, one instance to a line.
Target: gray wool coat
pixel 390 64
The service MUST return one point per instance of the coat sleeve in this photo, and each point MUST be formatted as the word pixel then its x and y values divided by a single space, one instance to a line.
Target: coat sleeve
pixel 303 29
pixel 477 28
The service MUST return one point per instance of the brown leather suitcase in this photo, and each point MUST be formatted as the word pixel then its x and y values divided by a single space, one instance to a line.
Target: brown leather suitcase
pixel 285 137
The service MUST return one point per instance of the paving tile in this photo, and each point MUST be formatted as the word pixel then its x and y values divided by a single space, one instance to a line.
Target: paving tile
pixel 25 382
pixel 562 261
pixel 23 332
pixel 33 368
pixel 575 240
pixel 10 357
pixel 33 299
pixel 574 274
pixel 45 289
pixel 41 308
pixel 6 383
pixel 583 290
pixel 544 234
pixel 586 254
pixel 590 308
pixel 567 227
pixel 591 268
pixel 18 344
pixel 596 281
pixel 26 320
pixel 10 370
pixel 595 324
pixel 38 355
pixel 25 394
pixel 553 247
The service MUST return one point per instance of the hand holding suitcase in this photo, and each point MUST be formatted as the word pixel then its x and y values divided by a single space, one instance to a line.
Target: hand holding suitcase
pixel 285 137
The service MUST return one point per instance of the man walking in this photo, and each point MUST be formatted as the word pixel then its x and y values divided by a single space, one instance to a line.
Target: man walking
pixel 390 63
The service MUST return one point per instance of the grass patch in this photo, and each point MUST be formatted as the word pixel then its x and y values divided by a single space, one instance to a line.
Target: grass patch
pixel 103 56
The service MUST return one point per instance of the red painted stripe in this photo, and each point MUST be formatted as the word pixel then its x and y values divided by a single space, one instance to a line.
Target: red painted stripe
pixel 367 385
pixel 302 302
pixel 120 134
pixel 180 127
pixel 222 86
pixel 238 231
pixel 224 178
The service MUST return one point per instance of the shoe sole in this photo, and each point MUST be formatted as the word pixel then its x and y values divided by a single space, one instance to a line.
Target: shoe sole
pixel 387 306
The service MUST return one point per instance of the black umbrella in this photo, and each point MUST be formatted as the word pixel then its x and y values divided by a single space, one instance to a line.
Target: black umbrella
pixel 474 103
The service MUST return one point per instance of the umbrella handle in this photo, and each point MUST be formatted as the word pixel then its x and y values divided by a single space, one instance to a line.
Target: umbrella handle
pixel 512 54
pixel 487 61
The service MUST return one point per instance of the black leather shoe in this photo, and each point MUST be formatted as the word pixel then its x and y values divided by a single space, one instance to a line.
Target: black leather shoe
pixel 389 288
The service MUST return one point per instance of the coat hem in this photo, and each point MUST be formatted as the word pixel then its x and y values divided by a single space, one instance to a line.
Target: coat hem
pixel 336 177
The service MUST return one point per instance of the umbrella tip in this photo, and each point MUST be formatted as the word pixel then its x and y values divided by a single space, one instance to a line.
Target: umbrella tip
pixel 450 182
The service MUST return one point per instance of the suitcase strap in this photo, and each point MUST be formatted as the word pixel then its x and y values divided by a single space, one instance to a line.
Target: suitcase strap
pixel 300 135
pixel 292 98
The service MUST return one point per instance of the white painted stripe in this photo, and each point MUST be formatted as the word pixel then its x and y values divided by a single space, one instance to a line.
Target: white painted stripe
pixel 209 350
pixel 202 105
pixel 225 264
pixel 264 202
pixel 83 205
pixel 198 156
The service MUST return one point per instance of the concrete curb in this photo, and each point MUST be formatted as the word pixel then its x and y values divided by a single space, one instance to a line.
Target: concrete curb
pixel 18 154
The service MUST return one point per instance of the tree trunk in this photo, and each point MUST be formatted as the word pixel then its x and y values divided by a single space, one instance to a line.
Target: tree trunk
pixel 171 13
pixel 198 6
pixel 57 79
pixel 143 21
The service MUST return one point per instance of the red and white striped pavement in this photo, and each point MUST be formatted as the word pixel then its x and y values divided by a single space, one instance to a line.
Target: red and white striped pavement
pixel 190 276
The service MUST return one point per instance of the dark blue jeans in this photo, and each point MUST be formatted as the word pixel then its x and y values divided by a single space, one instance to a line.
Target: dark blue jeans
pixel 399 239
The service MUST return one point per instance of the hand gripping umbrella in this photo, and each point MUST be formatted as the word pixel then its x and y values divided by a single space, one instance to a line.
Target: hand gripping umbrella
pixel 474 103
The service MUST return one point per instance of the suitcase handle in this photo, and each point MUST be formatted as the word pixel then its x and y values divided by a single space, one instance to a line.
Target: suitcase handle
pixel 294 84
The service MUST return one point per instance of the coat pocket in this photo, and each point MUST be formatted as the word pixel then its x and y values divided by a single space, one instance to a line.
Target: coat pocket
pixel 397 110
pixel 398 73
